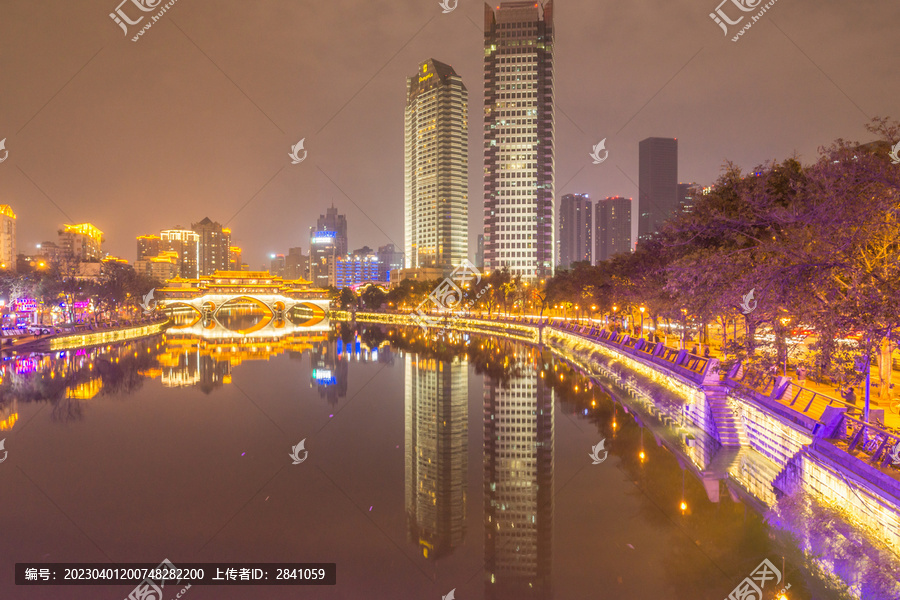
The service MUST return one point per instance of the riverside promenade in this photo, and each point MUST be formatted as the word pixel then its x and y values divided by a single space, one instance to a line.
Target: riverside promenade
pixel 769 434
pixel 83 336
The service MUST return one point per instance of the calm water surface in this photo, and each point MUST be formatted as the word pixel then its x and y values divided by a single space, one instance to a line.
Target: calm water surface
pixel 463 467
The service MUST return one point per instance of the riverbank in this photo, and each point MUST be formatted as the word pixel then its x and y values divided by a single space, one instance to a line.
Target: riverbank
pixel 88 337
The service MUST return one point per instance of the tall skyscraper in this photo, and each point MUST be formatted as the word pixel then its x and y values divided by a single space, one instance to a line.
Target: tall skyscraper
pixel 518 486
pixel 613 227
pixel 215 246
pixel 436 199
pixel 389 259
pixel 8 251
pixel 437 426
pixel 576 224
pixel 519 193
pixel 658 183
pixel 187 244
pixel 327 242
pixel 235 261
pixel 296 264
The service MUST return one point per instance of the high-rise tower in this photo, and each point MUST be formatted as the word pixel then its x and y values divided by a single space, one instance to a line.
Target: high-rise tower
pixel 613 227
pixel 658 182
pixel 576 225
pixel 436 206
pixel 519 139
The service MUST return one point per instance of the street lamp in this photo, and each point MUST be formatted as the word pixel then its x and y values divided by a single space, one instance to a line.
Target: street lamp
pixel 642 321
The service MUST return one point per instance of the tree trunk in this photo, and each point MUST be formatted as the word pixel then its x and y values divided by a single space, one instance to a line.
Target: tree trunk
pixel 884 369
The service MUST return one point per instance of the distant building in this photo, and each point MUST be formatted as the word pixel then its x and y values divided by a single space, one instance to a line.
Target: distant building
pixel 8 251
pixel 389 259
pixel 356 268
pixel 215 246
pixel 687 195
pixel 658 183
pixel 235 262
pixel 613 227
pixel 327 242
pixel 576 222
pixel 163 267
pixel 519 139
pixel 186 244
pixel 81 243
pixel 148 245
pixel 276 265
pixel 436 204
pixel 296 264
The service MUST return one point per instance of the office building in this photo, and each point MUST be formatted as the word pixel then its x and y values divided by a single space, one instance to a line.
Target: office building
pixel 360 266
pixel 658 183
pixel 327 242
pixel 687 195
pixel 389 259
pixel 479 252
pixel 8 250
pixel 613 227
pixel 81 243
pixel 186 244
pixel 437 449
pixel 519 193
pixel 162 267
pixel 296 264
pixel 148 245
pixel 436 205
pixel 576 224
pixel 277 264
pixel 214 246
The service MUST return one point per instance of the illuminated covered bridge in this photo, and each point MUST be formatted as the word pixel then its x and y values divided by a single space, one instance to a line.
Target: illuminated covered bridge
pixel 278 299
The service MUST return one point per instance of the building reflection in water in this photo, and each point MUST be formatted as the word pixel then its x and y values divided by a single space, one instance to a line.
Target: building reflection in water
pixel 518 486
pixel 436 453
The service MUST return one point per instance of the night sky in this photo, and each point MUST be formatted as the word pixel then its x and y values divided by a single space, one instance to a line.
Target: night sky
pixel 197 118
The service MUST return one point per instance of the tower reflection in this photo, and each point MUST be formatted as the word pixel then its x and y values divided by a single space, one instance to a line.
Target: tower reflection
pixel 518 486
pixel 437 423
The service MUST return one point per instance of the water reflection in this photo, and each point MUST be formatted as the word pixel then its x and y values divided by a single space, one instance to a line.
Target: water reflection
pixel 436 408
pixel 518 485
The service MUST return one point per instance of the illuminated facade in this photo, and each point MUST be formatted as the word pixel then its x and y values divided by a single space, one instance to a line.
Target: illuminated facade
pixel 518 486
pixel 214 247
pixel 327 241
pixel 8 252
pixel 658 184
pixel 186 244
pixel 576 222
pixel 81 243
pixel 235 259
pixel 163 266
pixel 613 227
pixel 519 138
pixel 437 422
pixel 436 199
pixel 356 268
pixel 148 245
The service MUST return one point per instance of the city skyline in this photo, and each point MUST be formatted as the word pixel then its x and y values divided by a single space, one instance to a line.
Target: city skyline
pixel 150 157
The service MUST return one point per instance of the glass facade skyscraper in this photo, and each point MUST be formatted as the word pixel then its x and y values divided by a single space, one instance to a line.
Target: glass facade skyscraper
pixel 519 197
pixel 436 206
